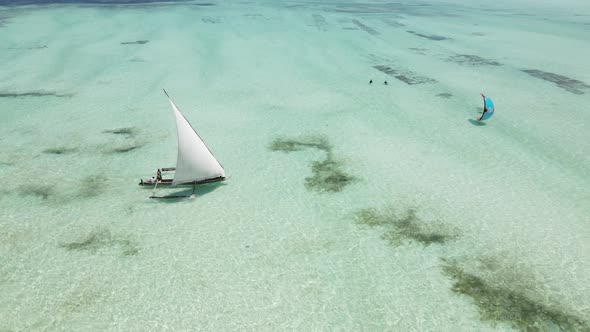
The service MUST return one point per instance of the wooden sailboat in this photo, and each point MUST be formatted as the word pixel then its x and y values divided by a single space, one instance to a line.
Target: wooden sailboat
pixel 195 163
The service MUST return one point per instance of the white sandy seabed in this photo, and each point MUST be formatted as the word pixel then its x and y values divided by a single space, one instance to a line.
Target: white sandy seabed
pixel 83 118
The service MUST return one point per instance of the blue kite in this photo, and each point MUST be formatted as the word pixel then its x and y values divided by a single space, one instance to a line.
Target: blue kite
pixel 488 108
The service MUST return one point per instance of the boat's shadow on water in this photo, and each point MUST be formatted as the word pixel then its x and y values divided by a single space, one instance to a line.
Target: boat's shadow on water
pixel 182 193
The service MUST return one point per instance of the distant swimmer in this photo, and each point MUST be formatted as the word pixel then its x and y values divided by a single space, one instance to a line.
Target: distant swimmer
pixel 385 82
pixel 370 81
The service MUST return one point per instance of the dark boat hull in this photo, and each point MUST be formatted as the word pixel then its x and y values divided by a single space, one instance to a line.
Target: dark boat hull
pixel 168 182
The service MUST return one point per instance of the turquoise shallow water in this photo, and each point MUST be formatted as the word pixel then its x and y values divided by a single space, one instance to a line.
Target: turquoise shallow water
pixel 83 248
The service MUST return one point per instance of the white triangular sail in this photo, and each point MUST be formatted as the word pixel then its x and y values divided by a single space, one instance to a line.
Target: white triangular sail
pixel 195 162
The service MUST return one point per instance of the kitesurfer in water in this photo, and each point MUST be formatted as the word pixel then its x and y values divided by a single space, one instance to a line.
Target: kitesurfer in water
pixel 485 109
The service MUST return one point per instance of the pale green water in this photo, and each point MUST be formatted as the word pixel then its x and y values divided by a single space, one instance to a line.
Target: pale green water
pixel 263 252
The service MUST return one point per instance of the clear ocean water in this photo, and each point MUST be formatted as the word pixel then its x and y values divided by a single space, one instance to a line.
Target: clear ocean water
pixel 350 206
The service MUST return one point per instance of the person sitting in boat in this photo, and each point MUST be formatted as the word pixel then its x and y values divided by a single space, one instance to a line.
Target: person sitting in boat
pixel 159 175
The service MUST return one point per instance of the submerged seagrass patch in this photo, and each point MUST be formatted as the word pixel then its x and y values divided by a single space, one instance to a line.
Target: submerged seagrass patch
pixel 431 37
pixel 328 175
pixel 24 94
pixel 472 60
pixel 564 82
pixel 100 240
pixel 405 76
pixel 509 293
pixel 405 227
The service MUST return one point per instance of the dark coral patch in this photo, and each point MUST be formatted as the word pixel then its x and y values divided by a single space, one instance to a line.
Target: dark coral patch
pixel 365 28
pixel 445 95
pixel 503 295
pixel 418 50
pixel 472 60
pixel 254 16
pixel 100 240
pixel 137 42
pixel 124 149
pixel 564 82
pixel 60 150
pixel 289 145
pixel 404 76
pixel 33 94
pixel 431 37
pixel 128 131
pixel 210 20
pixel 92 186
pixel 37 47
pixel 327 174
pixel 393 23
pixel 392 9
pixel 41 191
pixel 406 227
pixel 320 22
pixel 4 20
